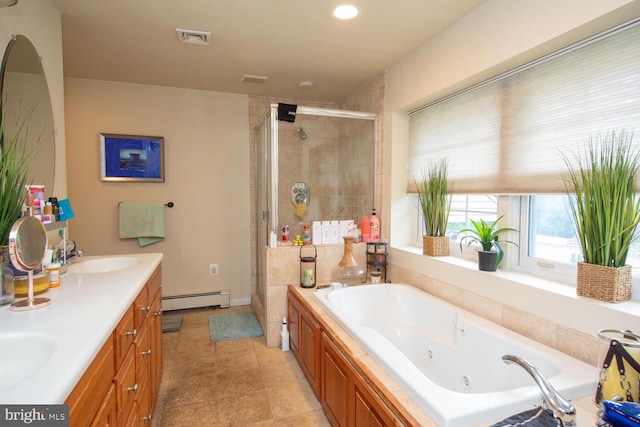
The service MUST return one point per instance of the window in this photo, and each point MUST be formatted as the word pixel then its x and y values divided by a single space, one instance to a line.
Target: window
pixel 551 242
pixel 508 135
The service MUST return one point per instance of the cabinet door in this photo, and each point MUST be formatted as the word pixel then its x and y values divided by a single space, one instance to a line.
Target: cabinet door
pixel 155 335
pixel 86 397
pixel 336 385
pixel 107 414
pixel 125 333
pixel 366 414
pixel 293 311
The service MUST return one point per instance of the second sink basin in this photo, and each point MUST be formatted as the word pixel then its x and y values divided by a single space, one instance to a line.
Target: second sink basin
pixel 103 265
pixel 21 355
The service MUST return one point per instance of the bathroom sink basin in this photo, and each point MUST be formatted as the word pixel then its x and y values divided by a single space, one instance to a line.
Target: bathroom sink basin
pixel 22 354
pixel 103 265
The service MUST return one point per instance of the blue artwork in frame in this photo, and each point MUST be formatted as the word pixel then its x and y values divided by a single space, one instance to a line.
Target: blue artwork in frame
pixel 131 158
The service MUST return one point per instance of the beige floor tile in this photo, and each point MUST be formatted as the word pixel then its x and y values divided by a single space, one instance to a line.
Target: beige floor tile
pixel 243 410
pixel 292 399
pixel 310 419
pixel 239 383
pixel 192 390
pixel 203 414
pixel 238 361
pixel 230 383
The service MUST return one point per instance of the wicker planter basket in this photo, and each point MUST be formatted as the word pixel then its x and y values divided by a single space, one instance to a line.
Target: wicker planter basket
pixel 435 246
pixel 609 284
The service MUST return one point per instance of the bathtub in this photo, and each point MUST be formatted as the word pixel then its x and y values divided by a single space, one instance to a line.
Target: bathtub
pixel 449 360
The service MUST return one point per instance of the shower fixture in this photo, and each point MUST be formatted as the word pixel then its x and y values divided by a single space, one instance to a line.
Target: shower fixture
pixel 303 134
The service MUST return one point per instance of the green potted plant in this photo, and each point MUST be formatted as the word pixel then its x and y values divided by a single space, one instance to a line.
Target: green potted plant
pixel 488 236
pixel 16 154
pixel 434 195
pixel 605 208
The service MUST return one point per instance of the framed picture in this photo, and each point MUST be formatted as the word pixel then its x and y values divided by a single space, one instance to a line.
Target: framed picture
pixel 131 158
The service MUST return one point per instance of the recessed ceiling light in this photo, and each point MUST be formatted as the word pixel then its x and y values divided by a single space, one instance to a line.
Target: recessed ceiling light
pixel 305 84
pixel 345 11
pixel 202 38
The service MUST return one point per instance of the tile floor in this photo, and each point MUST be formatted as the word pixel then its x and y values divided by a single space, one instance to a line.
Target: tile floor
pixel 230 383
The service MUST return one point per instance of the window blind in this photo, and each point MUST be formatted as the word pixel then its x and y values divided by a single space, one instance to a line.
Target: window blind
pixel 507 135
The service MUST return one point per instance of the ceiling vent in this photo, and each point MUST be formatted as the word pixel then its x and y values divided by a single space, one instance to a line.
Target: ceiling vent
pixel 254 80
pixel 202 38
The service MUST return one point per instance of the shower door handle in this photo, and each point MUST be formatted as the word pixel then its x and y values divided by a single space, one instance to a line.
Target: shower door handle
pixel 265 215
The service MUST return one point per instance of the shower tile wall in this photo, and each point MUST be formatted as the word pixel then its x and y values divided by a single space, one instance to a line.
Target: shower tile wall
pixel 334 160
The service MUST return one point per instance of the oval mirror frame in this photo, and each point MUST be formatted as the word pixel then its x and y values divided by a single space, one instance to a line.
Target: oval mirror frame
pixel 24 91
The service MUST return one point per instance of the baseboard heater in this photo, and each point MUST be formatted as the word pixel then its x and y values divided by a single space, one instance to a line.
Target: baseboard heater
pixel 206 299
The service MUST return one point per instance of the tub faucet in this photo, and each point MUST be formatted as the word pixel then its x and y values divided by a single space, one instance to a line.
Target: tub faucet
pixel 562 409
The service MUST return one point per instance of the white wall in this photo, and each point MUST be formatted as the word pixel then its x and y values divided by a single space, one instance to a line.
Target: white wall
pixel 206 137
pixel 497 36
pixel 40 22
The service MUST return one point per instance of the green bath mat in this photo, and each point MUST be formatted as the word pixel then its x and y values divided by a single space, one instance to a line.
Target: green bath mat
pixel 223 327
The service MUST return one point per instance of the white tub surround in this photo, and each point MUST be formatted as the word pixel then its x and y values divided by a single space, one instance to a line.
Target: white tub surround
pixel 84 311
pixel 449 360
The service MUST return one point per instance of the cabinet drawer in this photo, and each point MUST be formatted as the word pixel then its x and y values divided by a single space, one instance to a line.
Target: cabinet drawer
pixel 141 308
pixel 125 333
pixel 86 397
pixel 143 353
pixel 155 282
pixel 126 386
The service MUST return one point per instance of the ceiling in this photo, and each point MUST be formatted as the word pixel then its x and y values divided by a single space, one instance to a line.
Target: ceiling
pixel 288 41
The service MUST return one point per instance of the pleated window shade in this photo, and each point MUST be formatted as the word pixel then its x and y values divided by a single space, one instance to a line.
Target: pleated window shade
pixel 507 135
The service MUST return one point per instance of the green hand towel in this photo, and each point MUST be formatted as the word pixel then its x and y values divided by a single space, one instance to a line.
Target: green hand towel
pixel 144 221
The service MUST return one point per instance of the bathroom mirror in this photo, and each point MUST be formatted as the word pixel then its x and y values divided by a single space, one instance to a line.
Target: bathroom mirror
pixel 27 245
pixel 25 93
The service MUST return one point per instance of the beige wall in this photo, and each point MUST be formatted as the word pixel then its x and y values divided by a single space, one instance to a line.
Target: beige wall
pixel 206 170
pixel 39 21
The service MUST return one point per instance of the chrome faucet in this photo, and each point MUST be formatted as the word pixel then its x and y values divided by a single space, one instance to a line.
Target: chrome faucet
pixel 562 409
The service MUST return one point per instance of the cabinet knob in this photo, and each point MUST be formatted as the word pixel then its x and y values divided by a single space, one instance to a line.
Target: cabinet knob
pixel 158 313
pixel 147 308
pixel 146 353
pixel 133 389
pixel 147 418
pixel 132 333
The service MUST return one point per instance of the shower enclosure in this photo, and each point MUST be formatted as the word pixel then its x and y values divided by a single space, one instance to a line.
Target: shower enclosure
pixel 329 152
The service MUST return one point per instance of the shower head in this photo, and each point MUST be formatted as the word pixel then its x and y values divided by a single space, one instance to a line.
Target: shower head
pixel 303 134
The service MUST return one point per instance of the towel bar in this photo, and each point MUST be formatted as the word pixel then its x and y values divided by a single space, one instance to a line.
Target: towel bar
pixel 168 204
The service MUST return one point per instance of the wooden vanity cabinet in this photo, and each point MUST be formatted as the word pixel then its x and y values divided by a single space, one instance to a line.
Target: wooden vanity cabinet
pixel 121 385
pixel 346 395
pixel 304 341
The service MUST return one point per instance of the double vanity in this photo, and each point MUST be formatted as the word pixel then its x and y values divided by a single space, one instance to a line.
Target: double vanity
pixel 97 347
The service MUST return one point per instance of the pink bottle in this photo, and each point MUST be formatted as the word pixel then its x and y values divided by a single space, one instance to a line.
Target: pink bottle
pixel 365 226
pixel 374 231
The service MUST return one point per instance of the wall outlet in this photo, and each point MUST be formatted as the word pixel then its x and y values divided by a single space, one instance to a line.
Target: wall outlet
pixel 213 269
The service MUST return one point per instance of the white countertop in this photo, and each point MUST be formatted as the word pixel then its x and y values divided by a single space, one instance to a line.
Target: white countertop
pixel 84 310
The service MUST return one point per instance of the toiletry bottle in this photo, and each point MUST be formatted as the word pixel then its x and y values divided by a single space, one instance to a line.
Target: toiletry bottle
pixel 284 335
pixel 365 226
pixel 374 231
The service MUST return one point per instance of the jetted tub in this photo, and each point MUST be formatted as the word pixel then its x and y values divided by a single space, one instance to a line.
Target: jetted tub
pixel 450 360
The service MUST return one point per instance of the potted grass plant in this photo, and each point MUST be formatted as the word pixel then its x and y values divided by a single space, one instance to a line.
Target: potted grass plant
pixel 434 195
pixel 488 236
pixel 17 151
pixel 605 208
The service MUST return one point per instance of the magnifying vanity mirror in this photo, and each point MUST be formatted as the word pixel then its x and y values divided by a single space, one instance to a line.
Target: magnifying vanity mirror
pixel 27 246
pixel 25 91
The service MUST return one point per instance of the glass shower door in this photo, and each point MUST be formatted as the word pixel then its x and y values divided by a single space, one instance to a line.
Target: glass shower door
pixel 263 159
